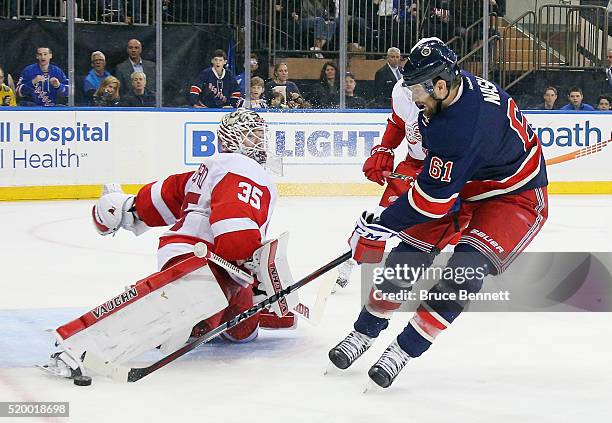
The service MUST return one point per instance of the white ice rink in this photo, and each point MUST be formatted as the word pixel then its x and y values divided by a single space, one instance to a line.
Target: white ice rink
pixel 493 367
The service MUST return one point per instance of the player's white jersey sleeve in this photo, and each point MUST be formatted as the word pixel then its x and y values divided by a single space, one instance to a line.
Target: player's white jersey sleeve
pixel 406 110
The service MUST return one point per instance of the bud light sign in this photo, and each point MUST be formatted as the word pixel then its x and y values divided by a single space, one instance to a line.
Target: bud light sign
pixel 200 141
pixel 296 142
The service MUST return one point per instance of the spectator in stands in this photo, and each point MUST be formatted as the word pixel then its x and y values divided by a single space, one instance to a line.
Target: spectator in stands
pixel 436 20
pixel 286 22
pixel 277 101
pixel 254 67
pixel 135 63
pixel 257 90
pixel 326 94
pixel 550 97
pixel 609 69
pixel 7 96
pixel 603 103
pixel 352 101
pixel 107 94
pixel 139 95
pixel 386 77
pixel 42 83
pixel 575 101
pixel 280 83
pixel 96 74
pixel 469 12
pixel 360 14
pixel 298 103
pixel 215 87
pixel 319 16
pixel 8 80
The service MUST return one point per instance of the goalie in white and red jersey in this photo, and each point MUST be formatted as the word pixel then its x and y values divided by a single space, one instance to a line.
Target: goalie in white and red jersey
pixel 227 204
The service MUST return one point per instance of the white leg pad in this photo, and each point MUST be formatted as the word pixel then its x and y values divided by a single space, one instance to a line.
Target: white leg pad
pixel 274 273
pixel 163 316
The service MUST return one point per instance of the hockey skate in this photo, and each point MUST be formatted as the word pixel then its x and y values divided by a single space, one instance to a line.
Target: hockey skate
pixel 58 365
pixel 350 349
pixel 388 366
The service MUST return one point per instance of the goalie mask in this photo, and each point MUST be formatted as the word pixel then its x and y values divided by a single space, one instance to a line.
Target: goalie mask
pixel 244 132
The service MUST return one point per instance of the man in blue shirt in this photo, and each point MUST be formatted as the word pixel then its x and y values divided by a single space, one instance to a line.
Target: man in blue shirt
pixel 575 101
pixel 96 75
pixel 42 83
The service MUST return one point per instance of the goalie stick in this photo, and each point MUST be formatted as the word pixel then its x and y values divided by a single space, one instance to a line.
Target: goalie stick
pixel 122 373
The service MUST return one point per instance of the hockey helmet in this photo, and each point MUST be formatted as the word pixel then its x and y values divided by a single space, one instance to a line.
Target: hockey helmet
pixel 244 131
pixel 429 60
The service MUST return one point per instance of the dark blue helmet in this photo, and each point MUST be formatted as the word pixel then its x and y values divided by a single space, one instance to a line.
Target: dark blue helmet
pixel 429 60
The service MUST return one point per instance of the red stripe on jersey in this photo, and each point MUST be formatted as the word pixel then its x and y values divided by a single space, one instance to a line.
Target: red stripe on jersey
pixel 172 195
pixel 528 170
pixel 138 291
pixel 427 207
pixel 395 131
pixel 236 94
pixel 195 90
pixel 182 239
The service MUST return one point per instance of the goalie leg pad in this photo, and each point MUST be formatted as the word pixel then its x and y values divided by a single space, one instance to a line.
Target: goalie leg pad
pixel 274 274
pixel 158 310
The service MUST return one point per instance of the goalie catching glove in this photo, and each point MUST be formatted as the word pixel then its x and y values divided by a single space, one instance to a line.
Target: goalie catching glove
pixel 115 210
pixel 368 239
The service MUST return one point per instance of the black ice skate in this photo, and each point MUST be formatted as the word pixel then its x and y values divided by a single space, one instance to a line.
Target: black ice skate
pixel 388 366
pixel 350 349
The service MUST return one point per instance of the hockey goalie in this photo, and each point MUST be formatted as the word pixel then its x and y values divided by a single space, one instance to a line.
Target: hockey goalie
pixel 226 204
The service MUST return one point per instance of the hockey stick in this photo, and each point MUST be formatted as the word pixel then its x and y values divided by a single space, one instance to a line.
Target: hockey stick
pixel 585 151
pixel 121 373
pixel 311 313
pixel 582 152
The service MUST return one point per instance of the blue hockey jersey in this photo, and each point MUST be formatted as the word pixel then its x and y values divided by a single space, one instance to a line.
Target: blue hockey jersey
pixel 479 147
pixel 214 91
pixel 43 93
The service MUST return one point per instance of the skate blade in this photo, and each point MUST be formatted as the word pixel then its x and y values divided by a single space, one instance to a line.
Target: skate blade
pixel 331 370
pixel 371 387
pixel 51 371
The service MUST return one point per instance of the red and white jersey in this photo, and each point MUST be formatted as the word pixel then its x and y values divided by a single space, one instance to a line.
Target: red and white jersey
pixel 403 123
pixel 227 203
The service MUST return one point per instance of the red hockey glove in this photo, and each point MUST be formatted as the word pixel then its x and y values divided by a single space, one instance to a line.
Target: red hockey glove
pixel 380 160
pixel 368 239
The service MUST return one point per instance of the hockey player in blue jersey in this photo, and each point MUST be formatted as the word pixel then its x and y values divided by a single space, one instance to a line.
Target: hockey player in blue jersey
pixel 480 149
pixel 42 83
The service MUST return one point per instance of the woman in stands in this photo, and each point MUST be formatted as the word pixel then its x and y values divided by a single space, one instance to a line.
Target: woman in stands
pixel 326 94
pixel 280 83
pixel 107 94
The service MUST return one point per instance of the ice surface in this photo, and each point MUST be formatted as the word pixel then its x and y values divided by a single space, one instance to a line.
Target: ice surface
pixel 504 367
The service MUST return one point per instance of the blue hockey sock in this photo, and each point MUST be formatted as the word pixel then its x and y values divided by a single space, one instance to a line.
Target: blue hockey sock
pixel 369 324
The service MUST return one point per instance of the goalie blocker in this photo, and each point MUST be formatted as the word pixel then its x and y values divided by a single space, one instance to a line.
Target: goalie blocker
pixel 162 309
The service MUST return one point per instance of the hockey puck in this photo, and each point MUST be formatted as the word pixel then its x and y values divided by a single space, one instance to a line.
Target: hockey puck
pixel 82 380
